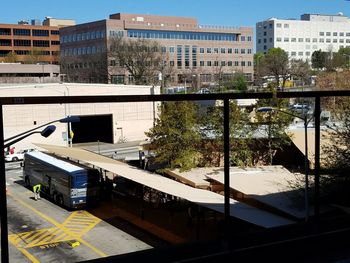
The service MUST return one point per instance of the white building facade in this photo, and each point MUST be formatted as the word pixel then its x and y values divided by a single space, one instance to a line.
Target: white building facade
pixel 130 120
pixel 300 38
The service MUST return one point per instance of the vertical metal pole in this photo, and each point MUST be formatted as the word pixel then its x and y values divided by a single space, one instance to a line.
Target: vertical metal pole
pixel 227 165
pixel 306 172
pixel 3 202
pixel 317 157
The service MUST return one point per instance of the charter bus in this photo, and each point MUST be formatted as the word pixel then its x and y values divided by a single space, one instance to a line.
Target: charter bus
pixel 69 184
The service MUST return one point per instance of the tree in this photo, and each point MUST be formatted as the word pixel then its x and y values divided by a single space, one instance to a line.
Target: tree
pixel 259 68
pixel 239 82
pixel 175 135
pixel 11 57
pixel 140 57
pixel 318 59
pixel 276 63
pixel 300 69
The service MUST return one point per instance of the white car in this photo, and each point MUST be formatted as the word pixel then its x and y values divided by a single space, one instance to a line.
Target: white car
pixel 19 156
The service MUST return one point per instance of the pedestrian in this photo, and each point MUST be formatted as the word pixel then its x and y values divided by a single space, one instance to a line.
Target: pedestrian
pixel 36 190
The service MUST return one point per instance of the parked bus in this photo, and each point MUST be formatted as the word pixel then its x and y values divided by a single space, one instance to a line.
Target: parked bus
pixel 68 183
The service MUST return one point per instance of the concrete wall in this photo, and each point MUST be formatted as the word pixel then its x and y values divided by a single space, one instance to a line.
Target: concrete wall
pixel 134 118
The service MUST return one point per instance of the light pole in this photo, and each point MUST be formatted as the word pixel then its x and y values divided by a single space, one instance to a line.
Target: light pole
pixel 63 120
pixel 45 133
pixel 69 139
pixel 3 208
pixel 306 122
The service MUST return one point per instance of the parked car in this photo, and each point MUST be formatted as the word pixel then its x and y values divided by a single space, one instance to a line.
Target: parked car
pixel 19 156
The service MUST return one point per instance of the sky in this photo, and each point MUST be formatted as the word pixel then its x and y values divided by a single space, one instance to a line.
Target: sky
pixel 208 12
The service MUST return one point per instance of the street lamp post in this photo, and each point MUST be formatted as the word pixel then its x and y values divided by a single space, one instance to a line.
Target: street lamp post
pixel 68 119
pixel 306 122
pixel 3 208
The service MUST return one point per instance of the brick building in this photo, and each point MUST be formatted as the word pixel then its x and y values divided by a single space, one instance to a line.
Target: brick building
pixel 195 53
pixel 31 43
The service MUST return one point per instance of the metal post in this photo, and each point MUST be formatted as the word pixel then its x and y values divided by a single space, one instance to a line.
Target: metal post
pixel 3 203
pixel 306 172
pixel 227 165
pixel 317 157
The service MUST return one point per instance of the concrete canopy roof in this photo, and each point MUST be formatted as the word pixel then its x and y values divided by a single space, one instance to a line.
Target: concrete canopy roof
pixel 203 198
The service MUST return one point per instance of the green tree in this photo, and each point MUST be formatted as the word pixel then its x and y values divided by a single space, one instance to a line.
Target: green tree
pixel 212 132
pixel 318 59
pixel 175 135
pixel 239 82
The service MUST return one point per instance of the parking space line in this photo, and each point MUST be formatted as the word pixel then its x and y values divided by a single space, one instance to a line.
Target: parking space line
pixel 59 233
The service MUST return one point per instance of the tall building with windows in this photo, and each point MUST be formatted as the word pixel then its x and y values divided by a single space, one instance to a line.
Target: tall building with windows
pixel 29 43
pixel 194 52
pixel 300 38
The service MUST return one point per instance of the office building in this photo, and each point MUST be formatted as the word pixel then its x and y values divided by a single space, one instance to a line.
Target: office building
pixel 300 38
pixel 30 43
pixel 194 53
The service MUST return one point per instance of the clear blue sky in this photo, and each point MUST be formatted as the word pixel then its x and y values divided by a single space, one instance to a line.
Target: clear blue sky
pixel 208 12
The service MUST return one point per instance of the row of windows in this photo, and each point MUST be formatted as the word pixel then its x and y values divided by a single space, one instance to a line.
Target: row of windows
pixel 28 32
pixel 83 36
pixel 34 43
pixel 155 34
pixel 335 34
pixel 28 43
pixel 202 63
pixel 82 51
pixel 210 50
pixel 308 40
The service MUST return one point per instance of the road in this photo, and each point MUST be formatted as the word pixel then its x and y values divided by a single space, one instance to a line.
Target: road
pixel 40 231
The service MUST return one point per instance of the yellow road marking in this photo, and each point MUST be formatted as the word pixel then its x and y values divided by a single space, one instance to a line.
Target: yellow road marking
pixel 44 235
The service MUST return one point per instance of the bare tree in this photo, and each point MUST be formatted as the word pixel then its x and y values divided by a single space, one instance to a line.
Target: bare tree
pixel 140 57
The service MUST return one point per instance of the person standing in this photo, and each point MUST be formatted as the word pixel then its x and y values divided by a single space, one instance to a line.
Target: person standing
pixel 36 190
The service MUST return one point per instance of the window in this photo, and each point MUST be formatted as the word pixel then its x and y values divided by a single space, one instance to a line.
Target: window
pixel 223 63
pixel 278 25
pixel 171 49
pixel 307 40
pixel 293 53
pixel 307 53
pixel 335 40
pixel 41 43
pixel 21 43
pixel 328 40
pixel 321 40
pixel 21 32
pixel 335 34
pixel 201 63
pixel 229 50
pixel 236 51
pixel 286 25
pixel 341 34
pixel 242 38
pixel 216 50
pixel 242 51
pixel 321 34
pixel 279 39
pixel 286 39
pixel 348 34
pixel 314 40
pixel 300 40
pixel 40 33
pixel 223 50
pixel 55 32
pixel 236 63
pixel 293 39
pixel 216 63
pixel 300 53
pixel 249 51
pixel 5 31
pixel 249 39
pixel 328 34
pixel 249 63
pixel 270 39
pixel 208 63
pixel 259 41
pixel 209 50
pixel 55 43
pixel 201 50
pixel 229 63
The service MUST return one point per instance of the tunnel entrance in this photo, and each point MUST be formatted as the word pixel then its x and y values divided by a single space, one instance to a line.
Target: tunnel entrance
pixel 93 128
